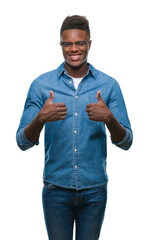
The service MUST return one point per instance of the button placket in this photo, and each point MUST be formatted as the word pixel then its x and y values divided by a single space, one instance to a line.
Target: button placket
pixel 75 141
pixel 68 80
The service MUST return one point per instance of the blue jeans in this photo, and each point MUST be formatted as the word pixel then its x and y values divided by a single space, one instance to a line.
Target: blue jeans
pixel 62 206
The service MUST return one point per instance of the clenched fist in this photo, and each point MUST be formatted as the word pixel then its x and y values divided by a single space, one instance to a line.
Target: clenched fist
pixel 51 112
pixel 98 111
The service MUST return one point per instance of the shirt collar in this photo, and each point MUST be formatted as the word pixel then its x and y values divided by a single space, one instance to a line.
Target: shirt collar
pixel 60 69
pixel 92 70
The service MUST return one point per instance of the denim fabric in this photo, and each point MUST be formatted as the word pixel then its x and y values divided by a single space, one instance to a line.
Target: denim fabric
pixel 63 206
pixel 75 148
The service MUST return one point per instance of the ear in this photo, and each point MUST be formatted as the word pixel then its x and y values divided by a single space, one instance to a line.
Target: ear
pixel 89 45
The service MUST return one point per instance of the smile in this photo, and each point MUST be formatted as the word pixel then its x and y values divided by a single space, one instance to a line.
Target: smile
pixel 75 57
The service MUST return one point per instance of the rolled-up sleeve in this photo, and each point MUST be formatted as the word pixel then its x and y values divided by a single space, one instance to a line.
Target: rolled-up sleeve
pixel 117 106
pixel 126 143
pixel 33 105
pixel 23 142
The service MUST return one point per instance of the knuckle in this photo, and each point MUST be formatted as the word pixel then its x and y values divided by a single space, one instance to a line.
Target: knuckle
pixel 58 109
pixel 62 104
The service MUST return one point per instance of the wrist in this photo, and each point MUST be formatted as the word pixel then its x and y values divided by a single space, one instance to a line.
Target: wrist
pixel 109 118
pixel 39 119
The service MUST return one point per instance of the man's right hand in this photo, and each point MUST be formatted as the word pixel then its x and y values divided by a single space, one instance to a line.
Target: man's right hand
pixel 51 112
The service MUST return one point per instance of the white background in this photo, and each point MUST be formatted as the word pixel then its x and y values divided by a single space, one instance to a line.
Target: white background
pixel 29 47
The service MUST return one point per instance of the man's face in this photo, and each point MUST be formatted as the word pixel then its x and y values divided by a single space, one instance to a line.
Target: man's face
pixel 75 55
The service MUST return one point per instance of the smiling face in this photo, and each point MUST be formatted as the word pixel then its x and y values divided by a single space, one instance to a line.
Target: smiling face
pixel 75 56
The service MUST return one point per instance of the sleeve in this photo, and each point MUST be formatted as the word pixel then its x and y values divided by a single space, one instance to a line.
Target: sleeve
pixel 117 106
pixel 33 105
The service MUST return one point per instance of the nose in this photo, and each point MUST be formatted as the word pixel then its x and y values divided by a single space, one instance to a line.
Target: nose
pixel 74 48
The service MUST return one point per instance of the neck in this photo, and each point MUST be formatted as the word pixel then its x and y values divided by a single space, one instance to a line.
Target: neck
pixel 76 72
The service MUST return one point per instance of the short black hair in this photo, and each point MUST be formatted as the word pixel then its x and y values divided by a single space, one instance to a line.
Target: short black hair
pixel 75 22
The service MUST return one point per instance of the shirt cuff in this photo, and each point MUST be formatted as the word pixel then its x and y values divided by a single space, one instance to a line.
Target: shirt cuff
pixel 126 142
pixel 23 142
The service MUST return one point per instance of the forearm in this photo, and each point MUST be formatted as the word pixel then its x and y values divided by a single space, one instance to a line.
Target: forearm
pixel 28 136
pixel 33 130
pixel 117 131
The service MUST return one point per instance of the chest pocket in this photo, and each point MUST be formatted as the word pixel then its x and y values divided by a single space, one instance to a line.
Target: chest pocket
pixel 91 99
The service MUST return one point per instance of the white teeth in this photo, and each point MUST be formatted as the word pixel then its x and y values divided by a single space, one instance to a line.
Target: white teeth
pixel 75 57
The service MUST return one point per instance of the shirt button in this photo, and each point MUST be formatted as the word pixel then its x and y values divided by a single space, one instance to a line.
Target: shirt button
pixel 75 150
pixel 75 166
pixel 76 114
pixel 70 82
pixel 76 96
pixel 75 131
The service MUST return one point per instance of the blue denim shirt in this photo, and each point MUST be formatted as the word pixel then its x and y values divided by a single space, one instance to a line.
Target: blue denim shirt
pixel 75 148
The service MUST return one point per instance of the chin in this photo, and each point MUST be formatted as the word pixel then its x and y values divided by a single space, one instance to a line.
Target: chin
pixel 75 64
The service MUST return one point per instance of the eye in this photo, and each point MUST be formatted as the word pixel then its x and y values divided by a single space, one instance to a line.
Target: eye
pixel 81 43
pixel 66 44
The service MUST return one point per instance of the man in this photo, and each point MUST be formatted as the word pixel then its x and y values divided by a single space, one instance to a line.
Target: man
pixel 74 102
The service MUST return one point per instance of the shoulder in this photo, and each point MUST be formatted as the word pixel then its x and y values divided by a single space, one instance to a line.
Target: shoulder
pixel 49 76
pixel 39 83
pixel 43 78
pixel 103 77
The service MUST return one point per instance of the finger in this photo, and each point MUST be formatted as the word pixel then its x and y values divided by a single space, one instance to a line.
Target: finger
pixel 98 96
pixel 51 96
pixel 88 110
pixel 63 117
pixel 91 118
pixel 61 104
pixel 63 109
pixel 89 105
pixel 62 113
pixel 90 114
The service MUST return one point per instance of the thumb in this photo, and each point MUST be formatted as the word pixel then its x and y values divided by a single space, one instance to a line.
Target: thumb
pixel 99 96
pixel 51 96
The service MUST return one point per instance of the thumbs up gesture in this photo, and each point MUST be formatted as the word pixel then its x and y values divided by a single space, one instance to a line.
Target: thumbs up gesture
pixel 98 111
pixel 51 96
pixel 98 96
pixel 51 112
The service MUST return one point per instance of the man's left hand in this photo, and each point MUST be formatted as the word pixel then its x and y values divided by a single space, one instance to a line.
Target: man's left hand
pixel 98 111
